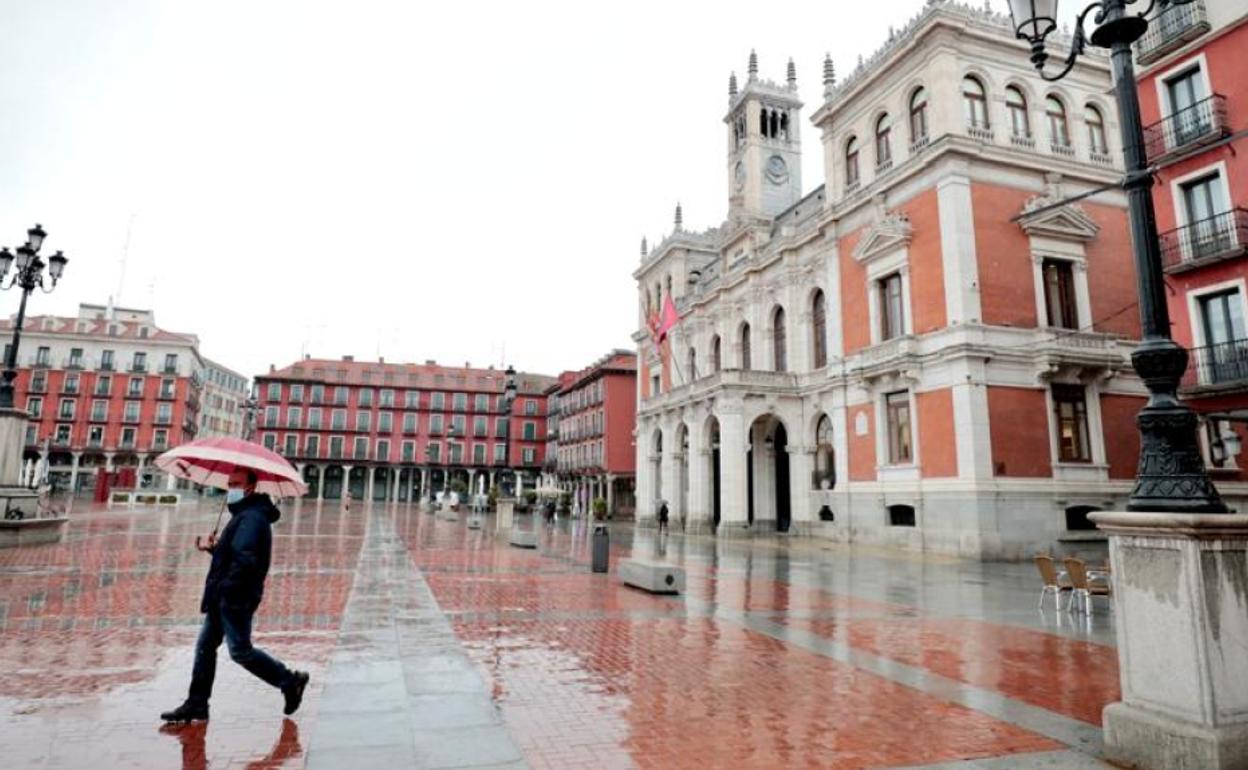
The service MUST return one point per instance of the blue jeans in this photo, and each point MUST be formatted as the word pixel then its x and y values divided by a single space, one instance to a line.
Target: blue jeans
pixel 233 624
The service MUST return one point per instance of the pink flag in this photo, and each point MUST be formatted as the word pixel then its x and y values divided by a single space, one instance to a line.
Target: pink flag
pixel 668 319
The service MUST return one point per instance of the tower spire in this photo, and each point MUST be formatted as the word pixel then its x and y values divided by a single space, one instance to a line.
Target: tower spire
pixel 791 75
pixel 753 65
pixel 732 85
pixel 829 75
pixel 644 249
pixel 680 219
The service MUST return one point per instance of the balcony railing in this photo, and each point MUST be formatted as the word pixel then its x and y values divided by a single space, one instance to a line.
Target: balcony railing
pixel 138 366
pixel 1206 241
pixel 1204 121
pixel 1224 364
pixel 1169 29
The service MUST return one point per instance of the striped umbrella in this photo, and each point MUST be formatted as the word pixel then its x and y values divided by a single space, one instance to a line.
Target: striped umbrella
pixel 210 461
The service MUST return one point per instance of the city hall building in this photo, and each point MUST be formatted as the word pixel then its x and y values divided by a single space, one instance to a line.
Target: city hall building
pixel 931 349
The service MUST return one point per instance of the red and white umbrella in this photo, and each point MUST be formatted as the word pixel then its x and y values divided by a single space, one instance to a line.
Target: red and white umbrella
pixel 210 462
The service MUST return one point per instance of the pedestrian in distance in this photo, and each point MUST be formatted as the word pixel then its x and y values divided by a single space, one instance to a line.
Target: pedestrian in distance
pixel 662 516
pixel 232 593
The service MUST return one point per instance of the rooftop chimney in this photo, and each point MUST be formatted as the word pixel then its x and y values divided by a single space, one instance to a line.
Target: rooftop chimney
pixel 307 356
pixel 430 362
pixel 272 368
pixel 348 359
pixel 381 359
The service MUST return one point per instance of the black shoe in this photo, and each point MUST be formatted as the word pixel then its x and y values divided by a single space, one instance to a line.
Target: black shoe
pixel 187 712
pixel 294 692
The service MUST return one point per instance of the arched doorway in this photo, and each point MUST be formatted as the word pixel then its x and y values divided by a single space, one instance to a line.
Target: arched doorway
pixel 769 488
pixel 656 470
pixel 682 467
pixel 713 433
pixel 333 482
pixel 784 509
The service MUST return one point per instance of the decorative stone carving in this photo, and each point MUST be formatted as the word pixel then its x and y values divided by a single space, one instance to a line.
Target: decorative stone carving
pixel 1046 215
pixel 891 232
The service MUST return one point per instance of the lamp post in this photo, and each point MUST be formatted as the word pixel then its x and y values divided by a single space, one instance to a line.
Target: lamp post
pixel 509 398
pixel 250 407
pixel 1171 475
pixel 27 276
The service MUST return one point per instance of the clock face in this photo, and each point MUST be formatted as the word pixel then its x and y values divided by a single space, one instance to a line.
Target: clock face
pixel 738 175
pixel 777 170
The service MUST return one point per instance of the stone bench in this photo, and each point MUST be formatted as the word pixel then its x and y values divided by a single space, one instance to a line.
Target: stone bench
pixel 655 577
pixel 523 538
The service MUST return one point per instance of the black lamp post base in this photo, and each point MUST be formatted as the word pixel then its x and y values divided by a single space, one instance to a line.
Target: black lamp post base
pixel 1172 474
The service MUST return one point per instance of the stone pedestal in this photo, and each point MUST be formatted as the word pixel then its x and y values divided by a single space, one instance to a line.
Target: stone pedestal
pixel 14 497
pixel 1180 586
pixel 506 512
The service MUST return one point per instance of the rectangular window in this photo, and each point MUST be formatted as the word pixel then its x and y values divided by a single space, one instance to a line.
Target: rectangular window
pixel 1206 233
pixel 1059 293
pixel 34 407
pixel 479 427
pixel 434 451
pixel 363 420
pixel 340 396
pixel 296 393
pixel 1071 412
pixel 32 432
pixel 897 412
pixel 67 409
pixel 385 422
pixel 271 416
pixel 292 445
pixel 135 387
pixel 106 360
pixel 139 363
pixel 457 453
pixel 38 381
pixel 43 356
pixel 361 448
pixel 528 456
pixel 99 411
pixel 530 431
pixel 383 450
pixel 500 427
pixel 411 399
pixel 387 398
pixel 132 411
pixel 338 419
pixel 481 403
pixel 530 407
pixel 294 417
pixel 500 455
pixel 460 402
pixel 127 438
pixel 335 447
pixel 168 388
pixel 313 446
pixel 458 424
pixel 409 451
pixel 892 308
pixel 171 363
pixel 314 418
pixel 164 413
pixel 478 454
pixel 366 397
pixel 435 424
pixel 409 423
pixel 75 358
pixel 437 401
pixel 103 384
pixel 95 436
pixel 318 394
pixel 270 442
pixel 1187 120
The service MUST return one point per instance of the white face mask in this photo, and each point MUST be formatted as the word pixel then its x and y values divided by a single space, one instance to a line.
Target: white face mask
pixel 233 495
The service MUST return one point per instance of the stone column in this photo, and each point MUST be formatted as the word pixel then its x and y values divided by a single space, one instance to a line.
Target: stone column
pixel 733 483
pixel 611 493
pixel 369 483
pixel 395 476
pixel 424 482
pixel 73 474
pixel 299 469
pixel 699 519
pixel 1180 586
pixel 801 470
pixel 346 482
pixel 320 483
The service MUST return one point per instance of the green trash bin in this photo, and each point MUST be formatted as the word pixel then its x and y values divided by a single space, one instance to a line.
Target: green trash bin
pixel 602 543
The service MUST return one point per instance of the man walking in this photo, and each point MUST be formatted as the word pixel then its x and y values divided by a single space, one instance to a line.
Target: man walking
pixel 232 592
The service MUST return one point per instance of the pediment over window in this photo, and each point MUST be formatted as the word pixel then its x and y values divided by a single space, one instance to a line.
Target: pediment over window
pixel 1068 222
pixel 890 233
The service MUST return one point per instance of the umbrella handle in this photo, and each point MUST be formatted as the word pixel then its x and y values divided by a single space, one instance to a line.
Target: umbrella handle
pixel 216 527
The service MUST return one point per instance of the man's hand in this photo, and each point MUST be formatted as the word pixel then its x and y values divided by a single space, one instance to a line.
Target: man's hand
pixel 207 546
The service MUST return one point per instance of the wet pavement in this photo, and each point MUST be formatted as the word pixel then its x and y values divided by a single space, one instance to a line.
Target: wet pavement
pixel 432 645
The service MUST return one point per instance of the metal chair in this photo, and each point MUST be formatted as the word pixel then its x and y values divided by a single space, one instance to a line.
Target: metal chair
pixel 1087 583
pixel 1053 582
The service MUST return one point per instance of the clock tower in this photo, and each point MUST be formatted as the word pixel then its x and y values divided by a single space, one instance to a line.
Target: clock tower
pixel 764 144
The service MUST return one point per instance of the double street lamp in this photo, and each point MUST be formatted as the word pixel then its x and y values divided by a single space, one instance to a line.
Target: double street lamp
pixel 1171 474
pixel 509 398
pixel 27 275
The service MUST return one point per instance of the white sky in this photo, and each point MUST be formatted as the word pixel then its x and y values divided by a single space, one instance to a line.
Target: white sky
pixel 424 180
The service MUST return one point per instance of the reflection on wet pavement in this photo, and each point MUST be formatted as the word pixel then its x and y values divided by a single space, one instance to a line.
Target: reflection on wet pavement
pixel 784 652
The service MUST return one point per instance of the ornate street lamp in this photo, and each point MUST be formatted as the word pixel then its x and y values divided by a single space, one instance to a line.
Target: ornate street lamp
pixel 250 407
pixel 509 398
pixel 27 276
pixel 1171 474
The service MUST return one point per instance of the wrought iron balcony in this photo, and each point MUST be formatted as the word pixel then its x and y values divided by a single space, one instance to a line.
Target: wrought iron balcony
pixel 1203 122
pixel 1220 366
pixel 1170 28
pixel 1221 236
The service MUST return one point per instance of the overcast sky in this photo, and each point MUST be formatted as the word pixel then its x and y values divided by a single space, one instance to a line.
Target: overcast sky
pixel 422 180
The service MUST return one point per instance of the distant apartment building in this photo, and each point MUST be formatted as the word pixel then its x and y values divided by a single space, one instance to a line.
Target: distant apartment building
pixel 597 410
pixel 222 411
pixel 105 391
pixel 389 431
pixel 1194 101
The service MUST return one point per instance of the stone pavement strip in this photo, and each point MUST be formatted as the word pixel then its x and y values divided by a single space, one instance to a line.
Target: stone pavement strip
pixel 400 691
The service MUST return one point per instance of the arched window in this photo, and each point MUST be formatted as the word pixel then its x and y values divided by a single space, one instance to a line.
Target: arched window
pixel 692 372
pixel 819 319
pixel 745 346
pixel 1096 130
pixel 918 115
pixel 1016 103
pixel 825 455
pixel 716 361
pixel 851 162
pixel 883 143
pixel 762 123
pixel 775 125
pixel 669 285
pixel 976 101
pixel 779 342
pixel 784 126
pixel 1056 112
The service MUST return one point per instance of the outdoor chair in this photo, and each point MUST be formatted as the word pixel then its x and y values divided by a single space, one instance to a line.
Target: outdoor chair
pixel 1087 583
pixel 1053 582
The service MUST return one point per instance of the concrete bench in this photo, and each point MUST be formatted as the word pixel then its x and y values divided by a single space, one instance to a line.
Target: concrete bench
pixel 655 577
pixel 523 538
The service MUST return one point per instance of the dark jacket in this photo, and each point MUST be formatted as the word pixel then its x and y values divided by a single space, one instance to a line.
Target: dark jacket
pixel 241 559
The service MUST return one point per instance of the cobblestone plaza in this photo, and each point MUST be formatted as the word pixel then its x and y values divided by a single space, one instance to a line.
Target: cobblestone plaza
pixel 432 645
